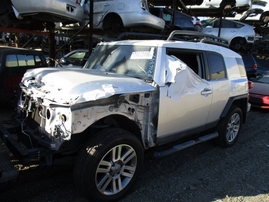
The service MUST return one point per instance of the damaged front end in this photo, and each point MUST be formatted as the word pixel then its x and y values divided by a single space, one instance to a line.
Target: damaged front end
pixel 58 126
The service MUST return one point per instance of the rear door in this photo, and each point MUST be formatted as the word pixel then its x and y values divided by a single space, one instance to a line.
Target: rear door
pixel 219 83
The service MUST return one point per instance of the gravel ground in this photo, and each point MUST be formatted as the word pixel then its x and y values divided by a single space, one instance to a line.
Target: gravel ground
pixel 203 173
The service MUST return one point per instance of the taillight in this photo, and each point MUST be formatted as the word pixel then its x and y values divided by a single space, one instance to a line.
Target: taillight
pixel 250 84
pixel 255 66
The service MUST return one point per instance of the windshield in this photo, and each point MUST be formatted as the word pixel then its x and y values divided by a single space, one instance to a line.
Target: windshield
pixel 129 60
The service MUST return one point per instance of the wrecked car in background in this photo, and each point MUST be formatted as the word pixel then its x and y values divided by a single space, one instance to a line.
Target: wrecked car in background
pixel 13 64
pixel 238 34
pixel 15 12
pixel 118 14
pixel 216 7
pixel 130 97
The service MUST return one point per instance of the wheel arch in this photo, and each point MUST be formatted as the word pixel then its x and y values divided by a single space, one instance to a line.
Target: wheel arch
pixel 119 121
pixel 239 38
pixel 239 101
pixel 109 17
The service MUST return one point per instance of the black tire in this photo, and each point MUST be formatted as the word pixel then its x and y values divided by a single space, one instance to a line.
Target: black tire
pixel 105 145
pixel 229 127
pixel 238 44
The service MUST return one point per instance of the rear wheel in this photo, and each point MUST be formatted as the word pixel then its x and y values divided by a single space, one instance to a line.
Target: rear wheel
pixel 238 44
pixel 108 165
pixel 229 127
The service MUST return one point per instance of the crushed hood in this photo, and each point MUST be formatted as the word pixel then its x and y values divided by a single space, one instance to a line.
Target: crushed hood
pixel 70 86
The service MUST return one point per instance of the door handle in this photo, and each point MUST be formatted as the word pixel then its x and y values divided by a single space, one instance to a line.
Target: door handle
pixel 206 91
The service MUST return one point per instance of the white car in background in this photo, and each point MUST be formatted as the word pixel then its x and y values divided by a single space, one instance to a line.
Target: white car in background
pixel 259 12
pixel 118 14
pixel 211 7
pixel 76 58
pixel 237 34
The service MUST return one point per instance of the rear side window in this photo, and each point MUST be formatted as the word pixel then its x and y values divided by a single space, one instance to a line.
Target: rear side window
pixel 38 60
pixel 241 67
pixel 12 61
pixel 216 66
pixel 22 60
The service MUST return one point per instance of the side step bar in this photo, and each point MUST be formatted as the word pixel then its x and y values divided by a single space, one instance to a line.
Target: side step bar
pixel 184 145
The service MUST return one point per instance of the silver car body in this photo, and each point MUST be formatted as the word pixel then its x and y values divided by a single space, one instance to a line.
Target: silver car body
pixel 230 30
pixel 132 13
pixel 155 85
pixel 58 10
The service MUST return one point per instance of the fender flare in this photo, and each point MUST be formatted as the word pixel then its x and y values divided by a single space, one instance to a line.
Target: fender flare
pixel 241 101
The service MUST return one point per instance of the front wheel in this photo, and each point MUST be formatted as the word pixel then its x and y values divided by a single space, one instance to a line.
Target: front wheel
pixel 229 127
pixel 108 165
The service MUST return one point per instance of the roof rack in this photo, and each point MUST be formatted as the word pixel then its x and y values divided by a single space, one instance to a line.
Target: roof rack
pixel 140 35
pixel 178 35
pixel 195 36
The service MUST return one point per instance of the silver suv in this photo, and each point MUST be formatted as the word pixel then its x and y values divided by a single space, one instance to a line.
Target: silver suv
pixel 131 97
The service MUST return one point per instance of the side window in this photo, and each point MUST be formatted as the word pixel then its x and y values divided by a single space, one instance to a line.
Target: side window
pixel 241 67
pixel 216 24
pixel 22 60
pixel 216 66
pixel 26 60
pixel 30 60
pixel 11 61
pixel 228 24
pixel 38 60
pixel 192 59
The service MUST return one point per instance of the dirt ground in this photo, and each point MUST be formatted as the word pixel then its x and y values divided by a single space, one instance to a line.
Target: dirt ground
pixel 203 173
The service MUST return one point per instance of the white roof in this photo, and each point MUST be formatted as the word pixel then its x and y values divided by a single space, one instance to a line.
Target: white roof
pixel 176 44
